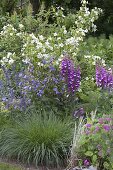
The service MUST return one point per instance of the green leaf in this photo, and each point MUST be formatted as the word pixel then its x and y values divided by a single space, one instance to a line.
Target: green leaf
pixel 89 153
pixel 106 165
pixel 94 158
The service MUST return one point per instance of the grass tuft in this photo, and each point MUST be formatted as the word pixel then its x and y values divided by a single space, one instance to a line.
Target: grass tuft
pixel 39 140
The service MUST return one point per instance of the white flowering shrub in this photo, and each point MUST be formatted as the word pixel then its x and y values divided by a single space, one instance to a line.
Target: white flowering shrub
pixel 55 44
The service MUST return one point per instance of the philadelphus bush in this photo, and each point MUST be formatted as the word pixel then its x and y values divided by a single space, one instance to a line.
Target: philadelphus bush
pixel 38 47
pixel 22 49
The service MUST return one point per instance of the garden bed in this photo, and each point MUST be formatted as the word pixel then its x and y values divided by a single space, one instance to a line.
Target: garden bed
pixel 56 90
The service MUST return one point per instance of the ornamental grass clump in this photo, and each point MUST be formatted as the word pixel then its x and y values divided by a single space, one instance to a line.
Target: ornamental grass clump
pixel 41 140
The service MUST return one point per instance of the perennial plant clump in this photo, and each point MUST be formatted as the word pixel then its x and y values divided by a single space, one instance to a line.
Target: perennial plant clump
pixel 99 133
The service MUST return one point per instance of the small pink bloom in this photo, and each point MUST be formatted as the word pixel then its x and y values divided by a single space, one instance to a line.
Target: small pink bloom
pixel 108 119
pixel 88 125
pixel 87 132
pixel 96 129
pixel 86 162
pixel 107 128
pixel 101 121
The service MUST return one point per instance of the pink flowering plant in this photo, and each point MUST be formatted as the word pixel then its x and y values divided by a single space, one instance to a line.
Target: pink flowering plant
pixel 96 144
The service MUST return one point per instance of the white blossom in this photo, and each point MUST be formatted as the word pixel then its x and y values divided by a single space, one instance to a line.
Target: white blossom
pixel 26 61
pixel 55 34
pixel 11 61
pixel 87 78
pixel 65 31
pixel 61 45
pixel 41 37
pixel 21 26
pixel 87 56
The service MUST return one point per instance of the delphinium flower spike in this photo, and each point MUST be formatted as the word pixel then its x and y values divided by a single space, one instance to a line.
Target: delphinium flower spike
pixel 70 74
pixel 104 77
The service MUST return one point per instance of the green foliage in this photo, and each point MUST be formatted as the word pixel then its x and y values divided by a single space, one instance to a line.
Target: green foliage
pixel 4 120
pixel 95 50
pixel 4 166
pixel 98 46
pixel 40 140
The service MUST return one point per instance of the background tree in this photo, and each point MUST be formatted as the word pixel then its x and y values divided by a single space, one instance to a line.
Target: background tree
pixel 8 5
pixel 35 5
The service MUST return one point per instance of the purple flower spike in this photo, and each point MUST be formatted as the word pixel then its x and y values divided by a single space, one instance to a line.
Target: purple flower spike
pixel 70 75
pixel 78 78
pixel 104 78
pixel 108 151
pixel 100 153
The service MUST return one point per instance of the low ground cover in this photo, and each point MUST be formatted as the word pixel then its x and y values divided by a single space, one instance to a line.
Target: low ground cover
pixel 4 166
